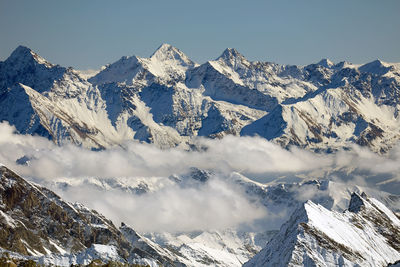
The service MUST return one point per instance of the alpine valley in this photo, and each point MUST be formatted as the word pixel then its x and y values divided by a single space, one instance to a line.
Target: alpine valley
pixel 319 186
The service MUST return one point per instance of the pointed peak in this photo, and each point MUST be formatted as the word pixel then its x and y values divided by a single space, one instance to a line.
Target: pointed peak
pixel 25 54
pixel 232 57
pixel 357 202
pixel 166 47
pixel 230 53
pixel 325 62
pixel 342 64
pixel 168 52
pixel 302 211
pixel 378 62
pixel 21 51
pixel 199 175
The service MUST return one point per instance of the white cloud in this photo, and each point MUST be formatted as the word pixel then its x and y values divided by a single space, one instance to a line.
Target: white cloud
pixel 245 154
pixel 217 203
pixel 213 205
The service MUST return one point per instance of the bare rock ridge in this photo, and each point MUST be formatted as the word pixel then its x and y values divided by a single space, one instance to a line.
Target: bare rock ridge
pixel 37 224
pixel 167 99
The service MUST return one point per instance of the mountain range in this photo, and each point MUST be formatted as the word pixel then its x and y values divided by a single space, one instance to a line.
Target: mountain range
pixel 169 100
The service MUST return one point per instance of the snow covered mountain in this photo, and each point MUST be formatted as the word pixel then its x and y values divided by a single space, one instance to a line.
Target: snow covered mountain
pixel 168 99
pixel 367 234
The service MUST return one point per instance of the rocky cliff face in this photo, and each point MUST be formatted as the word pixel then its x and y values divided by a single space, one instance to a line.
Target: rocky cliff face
pixel 168 99
pixel 36 222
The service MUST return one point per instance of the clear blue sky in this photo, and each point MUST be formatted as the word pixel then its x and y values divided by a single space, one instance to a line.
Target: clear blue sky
pixel 90 33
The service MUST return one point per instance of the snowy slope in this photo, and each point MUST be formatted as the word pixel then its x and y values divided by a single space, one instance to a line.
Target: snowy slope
pixel 167 99
pixel 367 234
pixel 40 98
pixel 228 247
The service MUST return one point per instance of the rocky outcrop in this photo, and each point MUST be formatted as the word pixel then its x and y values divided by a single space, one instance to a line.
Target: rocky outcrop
pixel 36 222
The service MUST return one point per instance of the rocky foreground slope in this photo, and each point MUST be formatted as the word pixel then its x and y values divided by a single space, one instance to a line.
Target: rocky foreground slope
pixel 168 99
pixel 39 225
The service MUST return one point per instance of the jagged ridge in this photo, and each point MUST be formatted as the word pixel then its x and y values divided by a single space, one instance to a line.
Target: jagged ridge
pixel 367 234
pixel 37 224
pixel 168 99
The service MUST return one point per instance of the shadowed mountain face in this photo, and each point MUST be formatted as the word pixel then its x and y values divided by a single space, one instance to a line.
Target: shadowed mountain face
pixel 34 219
pixel 36 222
pixel 168 99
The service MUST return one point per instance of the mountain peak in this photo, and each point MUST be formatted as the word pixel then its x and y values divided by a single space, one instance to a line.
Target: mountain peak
pixel 166 47
pixel 232 56
pixel 167 52
pixel 25 54
pixel 377 67
pixel 325 62
pixel 357 202
pixel 230 53
pixel 21 49
pixel 165 62
pixel 21 52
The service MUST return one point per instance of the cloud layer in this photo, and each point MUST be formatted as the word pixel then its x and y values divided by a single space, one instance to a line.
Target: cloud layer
pixel 216 204
pixel 213 205
pixel 240 154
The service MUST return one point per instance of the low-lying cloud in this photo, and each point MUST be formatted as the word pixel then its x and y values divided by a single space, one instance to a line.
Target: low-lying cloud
pixel 240 154
pixel 215 204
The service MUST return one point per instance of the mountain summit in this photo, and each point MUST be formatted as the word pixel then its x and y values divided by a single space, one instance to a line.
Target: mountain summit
pixel 167 52
pixel 24 55
pixel 326 63
pixel 376 67
pixel 167 99
pixel 167 63
pixel 232 57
